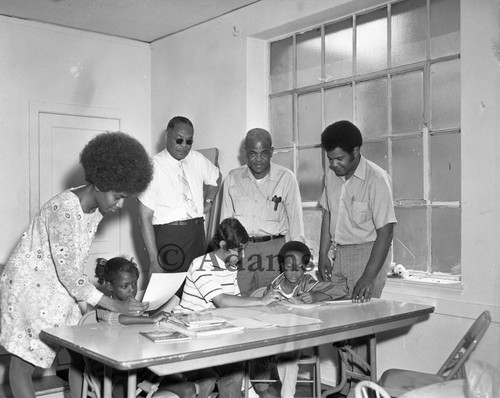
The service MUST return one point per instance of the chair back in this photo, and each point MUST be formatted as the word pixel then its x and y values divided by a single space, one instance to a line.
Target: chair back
pixel 454 365
pixel 368 389
pixel 212 219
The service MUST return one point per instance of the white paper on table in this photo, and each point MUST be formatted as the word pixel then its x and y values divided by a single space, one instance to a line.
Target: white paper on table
pixel 161 287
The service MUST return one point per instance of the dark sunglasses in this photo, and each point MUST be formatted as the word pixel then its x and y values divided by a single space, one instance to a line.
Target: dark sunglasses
pixel 179 141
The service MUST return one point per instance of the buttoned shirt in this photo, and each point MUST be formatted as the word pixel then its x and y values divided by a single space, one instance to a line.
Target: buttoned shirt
pixel 360 205
pixel 164 193
pixel 251 202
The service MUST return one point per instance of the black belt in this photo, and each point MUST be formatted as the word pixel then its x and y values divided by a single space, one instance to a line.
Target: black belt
pixel 197 221
pixel 265 238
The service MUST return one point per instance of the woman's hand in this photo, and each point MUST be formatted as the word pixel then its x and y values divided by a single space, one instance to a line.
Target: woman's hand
pixel 131 307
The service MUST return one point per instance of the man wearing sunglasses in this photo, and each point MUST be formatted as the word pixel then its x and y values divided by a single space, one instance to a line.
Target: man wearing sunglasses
pixel 171 210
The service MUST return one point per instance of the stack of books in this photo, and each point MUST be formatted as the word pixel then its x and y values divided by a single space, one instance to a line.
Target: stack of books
pixel 201 324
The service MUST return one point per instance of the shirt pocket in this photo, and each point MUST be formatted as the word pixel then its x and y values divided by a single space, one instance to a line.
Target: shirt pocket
pixel 360 212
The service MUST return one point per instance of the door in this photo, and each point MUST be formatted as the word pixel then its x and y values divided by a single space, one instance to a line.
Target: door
pixel 61 138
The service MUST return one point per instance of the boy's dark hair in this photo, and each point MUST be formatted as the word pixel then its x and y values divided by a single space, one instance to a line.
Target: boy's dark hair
pixel 107 270
pixel 342 134
pixel 230 231
pixel 115 161
pixel 294 246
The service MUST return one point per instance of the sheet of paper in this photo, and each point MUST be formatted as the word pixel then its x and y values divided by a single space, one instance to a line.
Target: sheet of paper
pixel 337 302
pixel 286 320
pixel 161 288
pixel 236 312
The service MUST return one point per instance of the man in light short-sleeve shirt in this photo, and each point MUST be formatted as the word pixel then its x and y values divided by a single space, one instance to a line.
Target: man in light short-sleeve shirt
pixel 358 215
pixel 173 232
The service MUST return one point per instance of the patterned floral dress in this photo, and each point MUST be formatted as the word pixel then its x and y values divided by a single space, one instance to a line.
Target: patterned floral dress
pixel 43 278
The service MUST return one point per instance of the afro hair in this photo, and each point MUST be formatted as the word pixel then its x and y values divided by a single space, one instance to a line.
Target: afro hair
pixel 115 161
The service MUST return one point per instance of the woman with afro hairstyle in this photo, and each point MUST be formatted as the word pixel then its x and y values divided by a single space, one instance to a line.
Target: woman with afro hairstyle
pixel 43 279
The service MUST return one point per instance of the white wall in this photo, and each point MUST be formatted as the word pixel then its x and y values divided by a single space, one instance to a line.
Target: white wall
pixel 44 64
pixel 210 73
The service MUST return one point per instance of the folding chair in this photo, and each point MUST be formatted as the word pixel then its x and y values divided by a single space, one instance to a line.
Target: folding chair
pixel 399 381
pixel 365 387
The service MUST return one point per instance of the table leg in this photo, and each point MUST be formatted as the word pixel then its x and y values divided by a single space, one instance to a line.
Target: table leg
pixel 373 358
pixel 107 393
pixel 131 383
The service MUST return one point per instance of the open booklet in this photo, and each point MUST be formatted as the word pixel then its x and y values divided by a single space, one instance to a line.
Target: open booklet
pixel 161 288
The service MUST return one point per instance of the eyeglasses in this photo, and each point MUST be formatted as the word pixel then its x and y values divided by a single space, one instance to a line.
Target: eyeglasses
pixel 179 141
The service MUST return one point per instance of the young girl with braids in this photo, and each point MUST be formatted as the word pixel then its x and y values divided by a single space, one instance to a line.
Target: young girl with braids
pixel 119 276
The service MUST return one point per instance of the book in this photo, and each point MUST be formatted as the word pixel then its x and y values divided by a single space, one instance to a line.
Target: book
pixel 197 319
pixel 207 330
pixel 165 335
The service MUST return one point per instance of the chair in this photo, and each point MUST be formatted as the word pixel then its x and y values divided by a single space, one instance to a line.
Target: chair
pixel 212 218
pixel 306 359
pixel 91 386
pixel 365 387
pixel 399 381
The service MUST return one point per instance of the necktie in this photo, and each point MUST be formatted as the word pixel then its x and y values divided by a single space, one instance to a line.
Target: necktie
pixel 187 195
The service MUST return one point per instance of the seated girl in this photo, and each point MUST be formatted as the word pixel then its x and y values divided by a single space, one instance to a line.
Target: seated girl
pixel 119 277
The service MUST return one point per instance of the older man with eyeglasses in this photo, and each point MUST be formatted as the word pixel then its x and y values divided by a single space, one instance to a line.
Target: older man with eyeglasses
pixel 171 210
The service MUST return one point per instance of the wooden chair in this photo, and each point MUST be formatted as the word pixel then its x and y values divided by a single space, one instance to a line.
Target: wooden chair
pixel 369 389
pixel 311 359
pixel 399 381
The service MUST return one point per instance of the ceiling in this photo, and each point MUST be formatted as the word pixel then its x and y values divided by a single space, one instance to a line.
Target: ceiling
pixel 143 20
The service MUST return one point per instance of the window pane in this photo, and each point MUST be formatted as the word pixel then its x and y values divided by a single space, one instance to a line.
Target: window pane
pixel 309 58
pixel 445 27
pixel 310 174
pixel 408 26
pixel 312 230
pixel 407 168
pixel 407 110
pixel 445 238
pixel 371 45
pixel 338 104
pixel 371 107
pixel 445 167
pixel 376 152
pixel 281 65
pixel 445 95
pixel 338 50
pixel 281 121
pixel 284 159
pixel 309 118
pixel 410 242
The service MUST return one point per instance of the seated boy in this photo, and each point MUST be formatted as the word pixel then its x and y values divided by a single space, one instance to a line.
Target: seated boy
pixel 299 287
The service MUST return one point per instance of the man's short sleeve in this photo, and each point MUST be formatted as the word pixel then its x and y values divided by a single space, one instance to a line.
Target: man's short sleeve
pixel 149 197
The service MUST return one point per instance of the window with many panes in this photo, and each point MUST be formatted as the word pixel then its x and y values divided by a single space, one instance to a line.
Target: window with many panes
pixel 394 71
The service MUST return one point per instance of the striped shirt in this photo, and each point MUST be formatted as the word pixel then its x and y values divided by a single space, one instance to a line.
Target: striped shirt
pixel 207 278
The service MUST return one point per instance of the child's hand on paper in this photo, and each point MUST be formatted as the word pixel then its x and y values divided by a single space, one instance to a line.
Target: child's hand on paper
pixel 160 316
pixel 272 296
pixel 307 298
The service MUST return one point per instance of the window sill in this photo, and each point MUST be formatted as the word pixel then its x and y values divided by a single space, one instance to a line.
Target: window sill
pixel 415 285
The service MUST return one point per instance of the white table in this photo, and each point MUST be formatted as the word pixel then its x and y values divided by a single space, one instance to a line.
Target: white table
pixel 123 348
